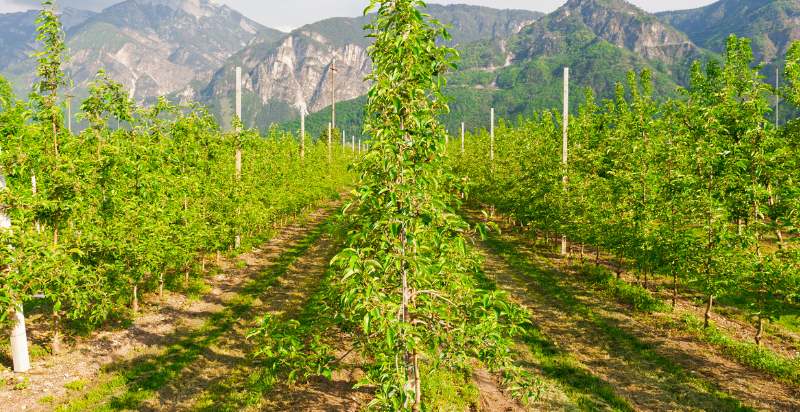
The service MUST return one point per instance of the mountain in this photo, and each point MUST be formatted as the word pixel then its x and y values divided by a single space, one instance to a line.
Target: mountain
pixel 154 47
pixel 770 24
pixel 18 33
pixel 599 40
pixel 280 75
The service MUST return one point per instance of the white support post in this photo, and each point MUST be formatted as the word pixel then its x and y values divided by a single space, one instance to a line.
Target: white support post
pixel 359 145
pixel 353 143
pixel 330 141
pixel 19 336
pixel 35 191
pixel 69 113
pixel 491 136
pixel 777 95
pixel 302 132
pixel 239 93
pixel 333 93
pixel 565 145
pixel 344 141
pixel 239 117
pixel 238 239
pixel 463 131
pixel 446 140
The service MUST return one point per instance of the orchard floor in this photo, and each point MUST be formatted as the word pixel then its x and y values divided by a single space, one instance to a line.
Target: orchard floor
pixel 603 356
pixel 588 353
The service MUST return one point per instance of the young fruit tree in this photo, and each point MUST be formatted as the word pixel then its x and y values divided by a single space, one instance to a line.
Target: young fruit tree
pixel 408 276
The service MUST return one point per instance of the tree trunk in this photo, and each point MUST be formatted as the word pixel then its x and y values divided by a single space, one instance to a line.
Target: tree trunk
pixel 709 306
pixel 597 256
pixel 760 331
pixel 55 342
pixel 417 385
pixel 135 303
pixel 19 343
pixel 161 286
pixel 583 257
pixel 674 288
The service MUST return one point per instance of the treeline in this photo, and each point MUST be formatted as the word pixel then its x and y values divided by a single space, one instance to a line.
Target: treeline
pixel 702 188
pixel 139 200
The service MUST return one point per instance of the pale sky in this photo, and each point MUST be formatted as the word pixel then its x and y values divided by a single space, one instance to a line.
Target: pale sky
pixel 287 15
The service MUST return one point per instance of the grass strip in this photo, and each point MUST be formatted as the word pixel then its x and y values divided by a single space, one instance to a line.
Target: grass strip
pixel 550 285
pixel 126 386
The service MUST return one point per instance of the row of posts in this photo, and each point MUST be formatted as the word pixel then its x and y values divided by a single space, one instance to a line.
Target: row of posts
pixel 18 337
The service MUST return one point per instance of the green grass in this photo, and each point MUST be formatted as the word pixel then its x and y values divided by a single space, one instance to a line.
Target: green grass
pixel 635 296
pixel 638 354
pixel 444 390
pixel 126 386
pixel 77 385
pixel 584 389
pixel 46 400
pixel 745 352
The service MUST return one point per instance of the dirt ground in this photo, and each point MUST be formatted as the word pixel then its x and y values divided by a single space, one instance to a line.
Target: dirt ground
pixel 652 367
pixel 159 325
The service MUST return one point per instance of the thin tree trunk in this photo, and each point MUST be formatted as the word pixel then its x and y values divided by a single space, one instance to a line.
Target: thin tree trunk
pixel 674 288
pixel 55 342
pixel 160 286
pixel 709 306
pixel 597 256
pixel 135 303
pixel 417 384
pixel 760 331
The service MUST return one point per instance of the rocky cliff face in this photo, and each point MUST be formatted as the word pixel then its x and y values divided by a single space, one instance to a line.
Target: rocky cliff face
pixel 296 70
pixel 153 47
pixel 18 33
pixel 771 24
pixel 614 21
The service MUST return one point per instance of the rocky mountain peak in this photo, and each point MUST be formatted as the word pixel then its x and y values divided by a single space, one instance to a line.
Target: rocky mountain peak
pixel 619 23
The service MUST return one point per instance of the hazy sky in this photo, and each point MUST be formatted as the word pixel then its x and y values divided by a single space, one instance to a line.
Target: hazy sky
pixel 287 15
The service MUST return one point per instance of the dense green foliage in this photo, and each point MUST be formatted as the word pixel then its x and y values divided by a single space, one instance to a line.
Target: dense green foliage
pixel 408 289
pixel 103 216
pixel 701 188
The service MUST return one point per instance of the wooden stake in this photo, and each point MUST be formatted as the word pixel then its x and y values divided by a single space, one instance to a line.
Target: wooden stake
pixel 564 153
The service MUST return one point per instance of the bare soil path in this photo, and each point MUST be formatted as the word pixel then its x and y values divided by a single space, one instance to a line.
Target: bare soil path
pixel 623 361
pixel 136 368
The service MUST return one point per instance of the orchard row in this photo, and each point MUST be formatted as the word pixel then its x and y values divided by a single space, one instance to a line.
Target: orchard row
pixel 702 189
